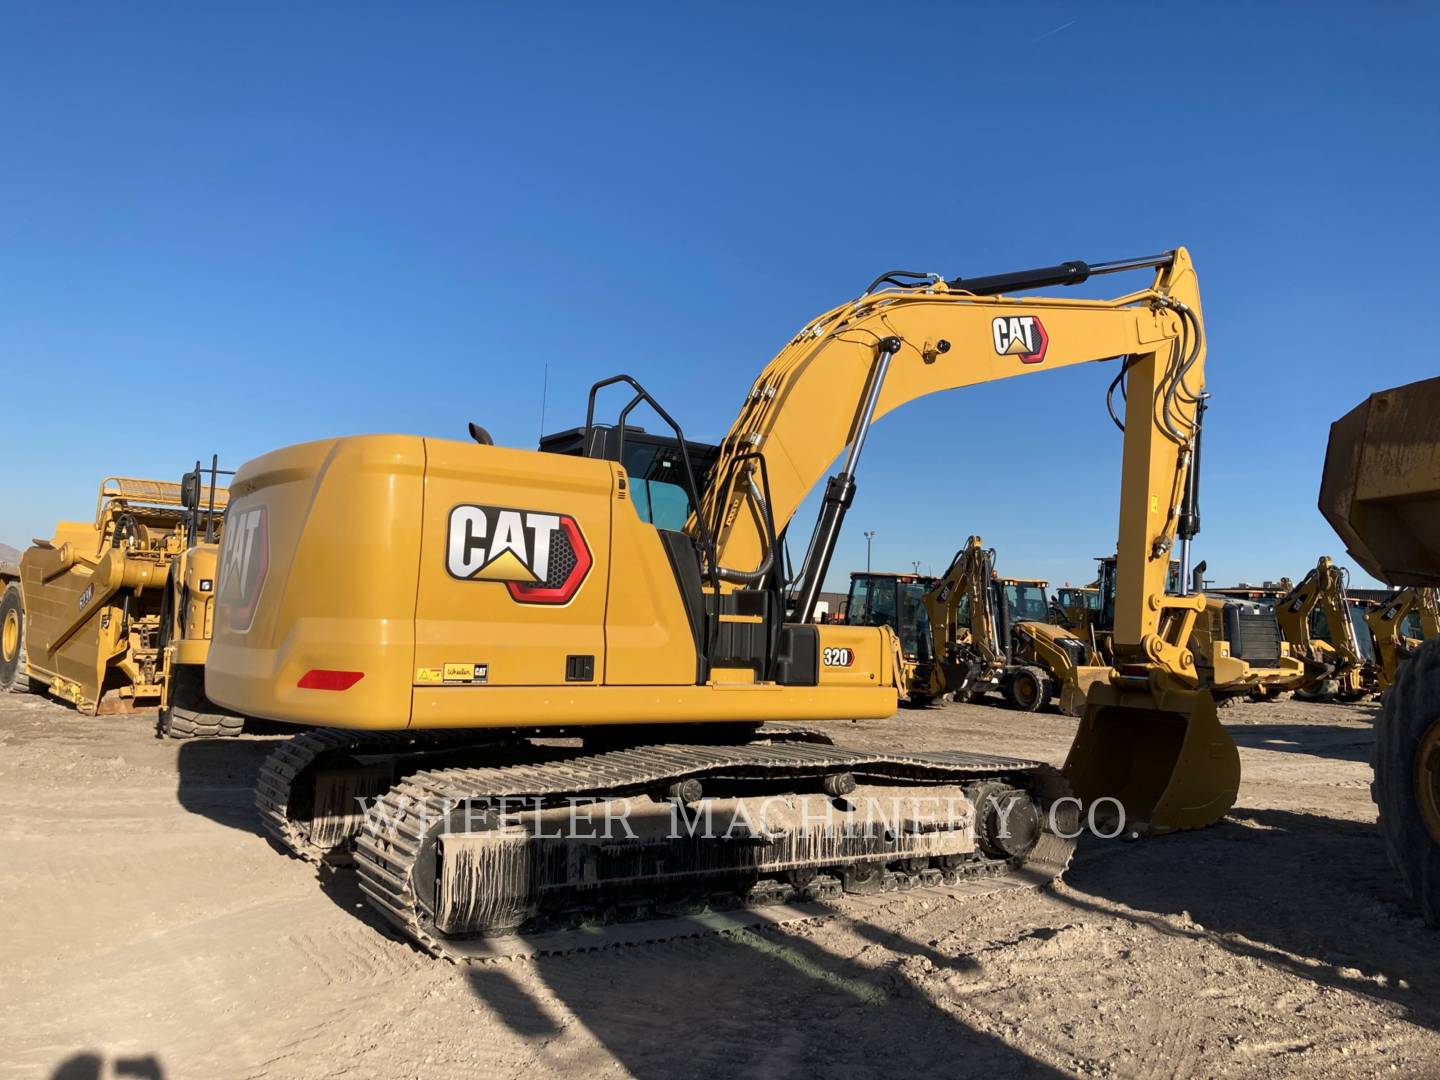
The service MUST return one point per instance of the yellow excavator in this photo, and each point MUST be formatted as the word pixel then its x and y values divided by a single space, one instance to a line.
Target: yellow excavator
pixel 992 633
pixel 1399 626
pixel 1318 622
pixel 490 637
pixel 1380 492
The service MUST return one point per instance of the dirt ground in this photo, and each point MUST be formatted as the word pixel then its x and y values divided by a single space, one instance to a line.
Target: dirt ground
pixel 151 932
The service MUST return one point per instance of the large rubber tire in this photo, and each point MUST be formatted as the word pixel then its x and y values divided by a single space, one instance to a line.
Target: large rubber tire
pixel 189 715
pixel 1027 689
pixel 1406 789
pixel 12 640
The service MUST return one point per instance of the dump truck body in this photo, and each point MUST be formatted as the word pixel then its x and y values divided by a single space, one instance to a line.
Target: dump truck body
pixel 1381 493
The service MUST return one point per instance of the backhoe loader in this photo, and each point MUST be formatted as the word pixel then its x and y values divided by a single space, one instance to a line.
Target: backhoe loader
pixel 1380 492
pixel 106 614
pixel 883 598
pixel 1319 623
pixel 1236 644
pixel 989 633
pixel 1076 606
pixel 1400 626
pixel 492 637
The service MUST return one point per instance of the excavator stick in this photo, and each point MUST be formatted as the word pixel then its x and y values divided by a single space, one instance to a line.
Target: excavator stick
pixel 1161 754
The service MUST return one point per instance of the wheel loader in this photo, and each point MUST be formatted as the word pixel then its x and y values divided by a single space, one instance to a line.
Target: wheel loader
pixel 1399 626
pixel 568 725
pixel 1380 492
pixel 112 615
pixel 1325 628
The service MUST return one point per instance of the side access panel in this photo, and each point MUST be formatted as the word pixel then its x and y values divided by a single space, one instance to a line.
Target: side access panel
pixel 514 566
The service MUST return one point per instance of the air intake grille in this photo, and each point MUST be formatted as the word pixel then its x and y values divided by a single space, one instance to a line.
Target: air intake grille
pixel 1256 637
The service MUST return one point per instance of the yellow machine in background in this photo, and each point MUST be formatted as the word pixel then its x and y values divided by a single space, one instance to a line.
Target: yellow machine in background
pixel 1400 626
pixel 884 598
pixel 1076 607
pixel 1380 492
pixel 508 592
pixel 188 612
pixel 90 615
pixel 1319 623
pixel 1236 644
pixel 991 633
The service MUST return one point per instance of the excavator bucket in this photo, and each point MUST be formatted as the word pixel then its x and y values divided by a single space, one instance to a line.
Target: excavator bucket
pixel 1163 756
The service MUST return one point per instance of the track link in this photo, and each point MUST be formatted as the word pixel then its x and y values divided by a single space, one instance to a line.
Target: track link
pixel 285 787
pixel 290 770
pixel 397 862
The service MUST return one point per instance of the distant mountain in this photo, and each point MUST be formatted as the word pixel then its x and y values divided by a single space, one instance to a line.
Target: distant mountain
pixel 9 554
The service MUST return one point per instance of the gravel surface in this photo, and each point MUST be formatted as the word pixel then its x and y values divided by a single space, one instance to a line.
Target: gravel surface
pixel 154 932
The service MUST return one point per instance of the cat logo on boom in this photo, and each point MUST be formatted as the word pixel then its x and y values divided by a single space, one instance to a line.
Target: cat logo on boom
pixel 539 556
pixel 1020 335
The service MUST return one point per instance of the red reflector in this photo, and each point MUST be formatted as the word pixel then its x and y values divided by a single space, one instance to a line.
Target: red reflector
pixel 1134 670
pixel 325 679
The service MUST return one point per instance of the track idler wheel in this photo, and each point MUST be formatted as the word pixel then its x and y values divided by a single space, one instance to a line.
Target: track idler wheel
pixel 1007 821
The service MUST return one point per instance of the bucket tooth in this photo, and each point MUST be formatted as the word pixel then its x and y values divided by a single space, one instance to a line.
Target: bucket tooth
pixel 1164 756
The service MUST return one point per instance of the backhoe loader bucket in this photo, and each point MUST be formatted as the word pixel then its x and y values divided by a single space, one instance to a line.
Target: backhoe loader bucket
pixel 1163 755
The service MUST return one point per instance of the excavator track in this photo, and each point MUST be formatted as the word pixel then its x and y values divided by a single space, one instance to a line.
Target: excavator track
pixel 285 792
pixel 334 768
pixel 404 871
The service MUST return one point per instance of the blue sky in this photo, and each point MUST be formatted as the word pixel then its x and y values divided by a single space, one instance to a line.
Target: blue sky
pixel 236 229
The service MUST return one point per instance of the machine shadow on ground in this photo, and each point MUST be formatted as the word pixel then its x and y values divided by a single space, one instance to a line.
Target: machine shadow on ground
pixel 726 1004
pixel 1315 740
pixel 216 779
pixel 751 1002
pixel 1281 887
pixel 88 1065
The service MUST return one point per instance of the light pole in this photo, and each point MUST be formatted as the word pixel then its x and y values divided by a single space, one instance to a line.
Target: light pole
pixel 868 537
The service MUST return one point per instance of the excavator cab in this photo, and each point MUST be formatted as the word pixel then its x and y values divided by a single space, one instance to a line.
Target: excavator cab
pixel 655 465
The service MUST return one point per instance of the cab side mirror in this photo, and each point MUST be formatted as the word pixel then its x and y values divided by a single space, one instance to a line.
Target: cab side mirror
pixel 190 490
